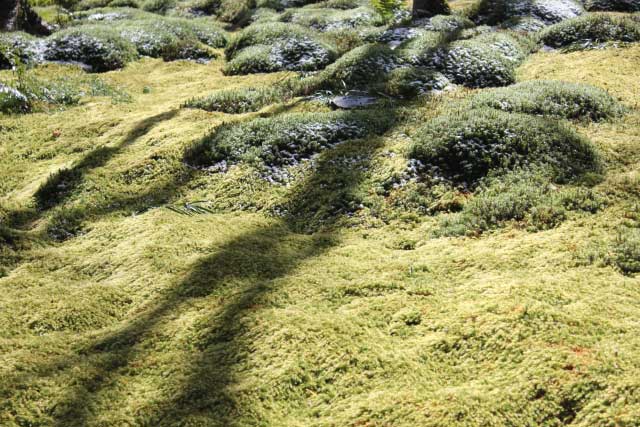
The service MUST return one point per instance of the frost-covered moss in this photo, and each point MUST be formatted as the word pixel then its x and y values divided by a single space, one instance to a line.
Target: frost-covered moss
pixel 466 146
pixel 552 98
pixel 593 28
pixel 356 69
pixel 444 23
pixel 173 38
pixel 332 19
pixel 483 61
pixel 295 54
pixel 547 11
pixel 409 82
pixel 284 140
pixel 22 47
pixel 100 48
pixel 265 34
pixel 612 5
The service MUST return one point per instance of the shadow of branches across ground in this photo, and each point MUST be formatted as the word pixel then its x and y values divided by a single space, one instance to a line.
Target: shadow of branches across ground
pixel 240 273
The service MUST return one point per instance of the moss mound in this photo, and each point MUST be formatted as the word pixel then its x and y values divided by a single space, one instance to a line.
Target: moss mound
pixel 464 147
pixel 325 19
pixel 552 98
pixel 284 140
pixel 236 101
pixel 172 38
pixel 612 5
pixel 409 82
pixel 590 29
pixel 547 11
pixel 100 48
pixel 295 54
pixel 264 34
pixel 526 197
pixel 18 46
pixel 356 69
pixel 482 61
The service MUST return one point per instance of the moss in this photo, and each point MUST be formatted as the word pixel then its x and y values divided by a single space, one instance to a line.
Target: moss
pixel 356 69
pixel 593 28
pixel 552 98
pixel 466 146
pixel 612 5
pixel 100 48
pixel 547 11
pixel 526 197
pixel 284 140
pixel 325 19
pixel 295 54
pixel 235 101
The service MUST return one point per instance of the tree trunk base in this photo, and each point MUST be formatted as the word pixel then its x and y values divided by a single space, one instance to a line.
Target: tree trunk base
pixel 17 15
pixel 429 8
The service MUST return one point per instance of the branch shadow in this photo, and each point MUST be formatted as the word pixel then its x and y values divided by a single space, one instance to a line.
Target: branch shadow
pixel 246 268
pixel 60 185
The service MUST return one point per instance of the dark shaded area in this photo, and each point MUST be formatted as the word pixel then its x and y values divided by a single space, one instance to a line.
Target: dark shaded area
pixel 428 8
pixel 17 15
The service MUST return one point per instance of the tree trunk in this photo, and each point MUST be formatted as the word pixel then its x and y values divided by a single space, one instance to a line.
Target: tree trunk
pixel 17 15
pixel 429 7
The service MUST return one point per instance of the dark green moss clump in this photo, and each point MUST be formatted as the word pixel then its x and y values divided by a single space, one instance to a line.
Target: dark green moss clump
pixel 284 140
pixel 466 146
pixel 527 197
pixel 590 29
pixel 552 98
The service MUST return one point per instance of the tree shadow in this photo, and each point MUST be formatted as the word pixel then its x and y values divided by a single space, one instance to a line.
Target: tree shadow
pixel 60 185
pixel 249 263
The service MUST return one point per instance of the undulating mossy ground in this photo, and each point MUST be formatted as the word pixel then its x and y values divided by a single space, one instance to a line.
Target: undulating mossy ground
pixel 157 268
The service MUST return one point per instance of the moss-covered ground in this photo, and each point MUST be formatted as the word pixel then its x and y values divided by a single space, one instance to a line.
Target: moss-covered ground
pixel 137 290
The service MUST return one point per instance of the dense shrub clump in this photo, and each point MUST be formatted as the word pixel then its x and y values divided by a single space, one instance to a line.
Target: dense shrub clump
pixel 464 147
pixel 552 98
pixel 99 48
pixel 283 140
pixel 591 29
pixel 527 197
